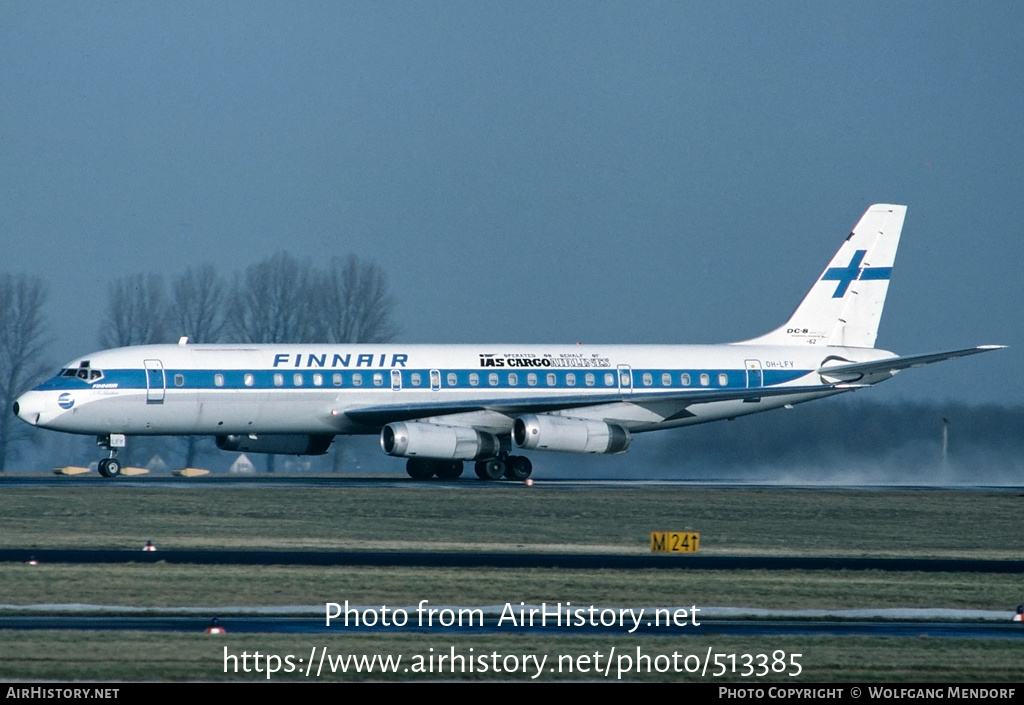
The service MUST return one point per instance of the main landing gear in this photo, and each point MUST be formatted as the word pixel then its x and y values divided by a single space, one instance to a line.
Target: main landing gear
pixel 111 466
pixel 426 468
pixel 510 467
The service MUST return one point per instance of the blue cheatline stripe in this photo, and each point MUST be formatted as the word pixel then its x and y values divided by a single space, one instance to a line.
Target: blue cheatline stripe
pixel 262 380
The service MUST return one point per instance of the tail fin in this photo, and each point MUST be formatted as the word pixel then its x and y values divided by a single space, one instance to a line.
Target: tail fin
pixel 845 304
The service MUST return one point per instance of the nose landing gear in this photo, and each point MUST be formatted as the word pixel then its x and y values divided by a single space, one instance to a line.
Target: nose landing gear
pixel 110 467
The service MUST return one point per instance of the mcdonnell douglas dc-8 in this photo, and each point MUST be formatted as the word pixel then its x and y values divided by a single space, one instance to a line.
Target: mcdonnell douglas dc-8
pixel 440 405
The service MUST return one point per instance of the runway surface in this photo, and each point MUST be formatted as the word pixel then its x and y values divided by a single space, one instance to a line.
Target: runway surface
pixel 397 481
pixel 428 559
pixel 317 625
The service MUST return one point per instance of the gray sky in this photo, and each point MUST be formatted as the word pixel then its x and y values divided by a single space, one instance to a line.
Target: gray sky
pixel 532 171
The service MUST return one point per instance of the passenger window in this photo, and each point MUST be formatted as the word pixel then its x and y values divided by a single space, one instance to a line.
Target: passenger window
pixel 318 379
pixel 648 379
pixel 704 379
pixel 474 379
pixel 278 379
pixel 513 379
pixel 589 379
pixel 179 380
pixel 453 379
pixel 416 379
pixel 609 379
pixel 378 379
pixel 248 380
pixel 551 379
pixel 570 379
pixel 218 380
pixel 723 379
pixel 337 379
pixel 666 379
pixel 297 379
pixel 531 379
pixel 357 379
pixel 684 379
pixel 492 379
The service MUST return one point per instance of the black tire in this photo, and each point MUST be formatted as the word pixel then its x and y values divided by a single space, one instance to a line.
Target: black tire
pixel 419 468
pixel 449 469
pixel 109 467
pixel 480 468
pixel 494 469
pixel 519 468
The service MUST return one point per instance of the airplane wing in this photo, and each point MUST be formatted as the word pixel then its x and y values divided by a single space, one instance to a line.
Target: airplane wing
pixel 844 377
pixel 376 416
pixel 892 365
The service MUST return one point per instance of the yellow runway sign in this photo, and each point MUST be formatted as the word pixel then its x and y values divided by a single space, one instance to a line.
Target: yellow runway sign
pixel 674 542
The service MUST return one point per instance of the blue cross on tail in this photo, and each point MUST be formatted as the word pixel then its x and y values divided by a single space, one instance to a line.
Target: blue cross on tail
pixel 854 272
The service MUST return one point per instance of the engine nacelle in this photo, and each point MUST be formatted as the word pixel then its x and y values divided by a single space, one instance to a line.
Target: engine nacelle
pixel 427 440
pixel 277 443
pixel 545 432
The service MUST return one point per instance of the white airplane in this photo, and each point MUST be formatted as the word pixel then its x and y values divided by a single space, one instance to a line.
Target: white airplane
pixel 439 405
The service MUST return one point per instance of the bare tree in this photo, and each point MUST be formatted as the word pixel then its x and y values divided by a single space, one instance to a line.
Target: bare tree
pixel 199 297
pixel 136 312
pixel 356 306
pixel 271 302
pixel 22 343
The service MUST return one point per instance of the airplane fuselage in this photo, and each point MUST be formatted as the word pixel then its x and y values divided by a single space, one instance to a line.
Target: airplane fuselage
pixel 320 389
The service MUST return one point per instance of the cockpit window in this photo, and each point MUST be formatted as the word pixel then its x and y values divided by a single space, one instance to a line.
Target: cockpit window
pixel 84 372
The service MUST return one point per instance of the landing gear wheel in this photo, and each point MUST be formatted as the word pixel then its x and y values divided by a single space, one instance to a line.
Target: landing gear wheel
pixel 109 467
pixel 492 469
pixel 449 469
pixel 519 468
pixel 419 468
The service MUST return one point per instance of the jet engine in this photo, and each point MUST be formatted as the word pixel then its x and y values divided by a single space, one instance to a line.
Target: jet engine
pixel 559 433
pixel 410 439
pixel 278 444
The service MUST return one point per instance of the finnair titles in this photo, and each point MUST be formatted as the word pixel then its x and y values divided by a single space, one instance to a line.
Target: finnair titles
pixel 440 405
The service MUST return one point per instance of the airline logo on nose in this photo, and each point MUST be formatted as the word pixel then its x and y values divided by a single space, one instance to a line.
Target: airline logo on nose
pixel 65 401
pixel 854 272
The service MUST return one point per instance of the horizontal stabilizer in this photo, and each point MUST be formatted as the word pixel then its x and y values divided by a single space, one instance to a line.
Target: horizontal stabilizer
pixel 892 365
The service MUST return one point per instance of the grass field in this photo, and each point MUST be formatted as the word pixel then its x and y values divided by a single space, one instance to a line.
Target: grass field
pixel 908 523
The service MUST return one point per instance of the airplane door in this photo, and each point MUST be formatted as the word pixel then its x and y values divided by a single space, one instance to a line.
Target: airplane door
pixel 625 379
pixel 755 377
pixel 396 380
pixel 156 381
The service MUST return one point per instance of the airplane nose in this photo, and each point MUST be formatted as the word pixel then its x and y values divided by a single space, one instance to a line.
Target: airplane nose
pixel 23 409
